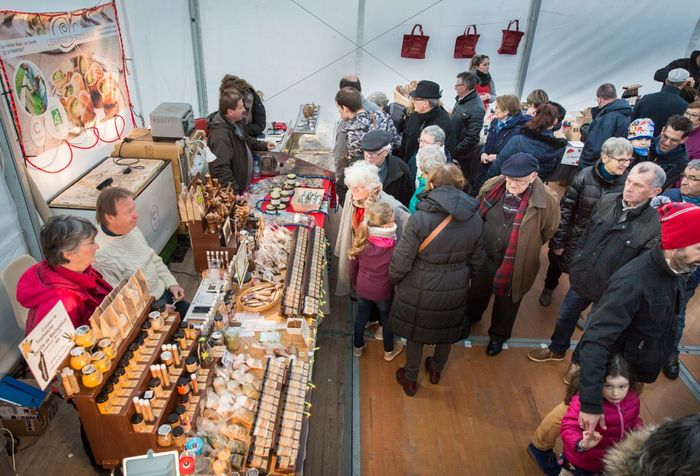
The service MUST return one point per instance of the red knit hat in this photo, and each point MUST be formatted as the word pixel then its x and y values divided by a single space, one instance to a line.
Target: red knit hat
pixel 680 225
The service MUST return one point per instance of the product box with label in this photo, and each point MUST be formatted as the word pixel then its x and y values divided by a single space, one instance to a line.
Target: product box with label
pixel 572 153
pixel 24 408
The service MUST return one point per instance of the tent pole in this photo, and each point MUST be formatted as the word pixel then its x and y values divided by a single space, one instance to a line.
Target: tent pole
pixel 694 42
pixel 198 54
pixel 530 30
pixel 360 36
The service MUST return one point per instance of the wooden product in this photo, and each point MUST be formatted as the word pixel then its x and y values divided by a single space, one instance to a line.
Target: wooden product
pixel 262 297
pixel 303 283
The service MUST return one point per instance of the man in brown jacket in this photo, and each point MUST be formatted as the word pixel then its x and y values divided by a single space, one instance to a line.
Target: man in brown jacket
pixel 520 214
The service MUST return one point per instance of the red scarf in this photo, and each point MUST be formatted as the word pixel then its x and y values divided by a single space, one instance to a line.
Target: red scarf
pixel 503 279
pixel 357 216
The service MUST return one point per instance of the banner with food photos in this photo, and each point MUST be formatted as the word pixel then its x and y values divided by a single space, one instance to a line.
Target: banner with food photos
pixel 65 72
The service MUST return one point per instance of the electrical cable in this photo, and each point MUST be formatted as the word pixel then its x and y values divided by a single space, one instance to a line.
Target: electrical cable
pixel 12 439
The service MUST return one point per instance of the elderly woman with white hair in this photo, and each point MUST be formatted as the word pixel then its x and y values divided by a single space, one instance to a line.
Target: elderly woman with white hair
pixel 428 158
pixel 365 187
pixel 431 135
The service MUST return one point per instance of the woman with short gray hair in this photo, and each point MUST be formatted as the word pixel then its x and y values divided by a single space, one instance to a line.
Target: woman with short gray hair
pixel 65 274
pixel 428 158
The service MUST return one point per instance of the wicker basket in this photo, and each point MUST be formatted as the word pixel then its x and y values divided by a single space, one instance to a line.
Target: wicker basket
pixel 252 290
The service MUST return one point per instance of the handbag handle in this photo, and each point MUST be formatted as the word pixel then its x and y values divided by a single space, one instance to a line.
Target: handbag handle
pixel 469 27
pixel 517 25
pixel 429 239
pixel 419 26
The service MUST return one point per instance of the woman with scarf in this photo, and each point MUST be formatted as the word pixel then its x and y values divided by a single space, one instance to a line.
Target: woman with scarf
pixel 365 187
pixel 520 215
pixel 485 87
pixel 429 158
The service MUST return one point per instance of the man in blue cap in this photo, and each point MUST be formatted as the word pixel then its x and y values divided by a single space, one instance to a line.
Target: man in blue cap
pixel 520 215
pixel 393 172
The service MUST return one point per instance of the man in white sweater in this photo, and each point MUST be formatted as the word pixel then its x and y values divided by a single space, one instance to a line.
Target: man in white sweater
pixel 124 250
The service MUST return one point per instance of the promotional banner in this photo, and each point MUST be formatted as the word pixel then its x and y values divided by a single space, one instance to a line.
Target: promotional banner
pixel 65 72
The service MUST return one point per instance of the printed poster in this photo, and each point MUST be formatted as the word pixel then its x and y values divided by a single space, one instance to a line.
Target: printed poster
pixel 65 71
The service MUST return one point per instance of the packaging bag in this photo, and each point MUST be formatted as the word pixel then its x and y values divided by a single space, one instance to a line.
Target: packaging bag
pixel 414 45
pixel 465 44
pixel 511 39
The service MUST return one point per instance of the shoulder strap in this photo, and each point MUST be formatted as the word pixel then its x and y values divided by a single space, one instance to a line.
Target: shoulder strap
pixel 435 233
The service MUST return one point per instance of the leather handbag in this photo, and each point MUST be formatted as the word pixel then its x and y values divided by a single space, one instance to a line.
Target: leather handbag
pixel 465 44
pixel 414 45
pixel 429 239
pixel 511 39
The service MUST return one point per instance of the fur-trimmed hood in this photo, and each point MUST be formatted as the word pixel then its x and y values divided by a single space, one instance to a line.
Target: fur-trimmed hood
pixel 622 459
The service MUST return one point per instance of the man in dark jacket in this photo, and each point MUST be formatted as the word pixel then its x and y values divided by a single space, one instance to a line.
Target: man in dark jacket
pixel 393 172
pixel 621 228
pixel 610 119
pixel 467 119
pixel 636 316
pixel 692 66
pixel 668 150
pixel 427 112
pixel 229 142
pixel 664 104
pixel 588 186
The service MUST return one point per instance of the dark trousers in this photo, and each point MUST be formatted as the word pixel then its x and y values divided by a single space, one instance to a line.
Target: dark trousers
pixel 554 271
pixel 414 356
pixel 504 309
pixel 181 306
pixel 364 310
pixel 569 313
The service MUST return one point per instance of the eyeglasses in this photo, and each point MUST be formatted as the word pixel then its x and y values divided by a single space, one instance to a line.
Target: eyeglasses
pixel 690 114
pixel 690 178
pixel 622 161
pixel 425 141
pixel 375 153
pixel 418 99
pixel 670 139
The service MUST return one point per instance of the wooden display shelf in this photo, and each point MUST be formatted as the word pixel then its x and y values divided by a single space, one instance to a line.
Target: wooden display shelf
pixel 202 242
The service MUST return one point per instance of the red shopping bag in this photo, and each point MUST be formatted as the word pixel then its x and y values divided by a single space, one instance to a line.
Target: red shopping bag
pixel 511 39
pixel 465 45
pixel 414 45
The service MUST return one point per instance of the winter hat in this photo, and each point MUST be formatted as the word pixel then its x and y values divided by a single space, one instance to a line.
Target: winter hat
pixel 680 225
pixel 642 128
pixel 678 75
pixel 519 165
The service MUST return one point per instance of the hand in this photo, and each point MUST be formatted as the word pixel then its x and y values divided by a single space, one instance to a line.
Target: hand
pixel 590 439
pixel 491 157
pixel 484 96
pixel 558 251
pixel 589 421
pixel 177 292
pixel 484 158
pixel 530 111
pixel 691 82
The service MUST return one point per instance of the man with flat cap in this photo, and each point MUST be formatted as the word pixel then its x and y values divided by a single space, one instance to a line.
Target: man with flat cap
pixel 428 111
pixel 393 172
pixel 520 215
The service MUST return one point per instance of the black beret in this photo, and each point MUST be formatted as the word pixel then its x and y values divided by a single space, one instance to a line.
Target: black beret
pixel 375 140
pixel 520 165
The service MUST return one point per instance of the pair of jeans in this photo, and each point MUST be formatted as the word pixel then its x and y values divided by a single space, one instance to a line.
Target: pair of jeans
pixel 414 355
pixel 181 306
pixel 554 271
pixel 364 309
pixel 569 313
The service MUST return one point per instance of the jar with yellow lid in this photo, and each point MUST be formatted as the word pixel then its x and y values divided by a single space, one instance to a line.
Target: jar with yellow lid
pixel 91 376
pixel 79 358
pixel 84 337
pixel 107 346
pixel 101 361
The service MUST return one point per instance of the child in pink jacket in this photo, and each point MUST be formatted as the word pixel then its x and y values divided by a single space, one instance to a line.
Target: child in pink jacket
pixel 584 450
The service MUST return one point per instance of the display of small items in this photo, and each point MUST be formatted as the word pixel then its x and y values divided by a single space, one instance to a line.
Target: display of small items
pixel 264 432
pixel 304 278
pixel 280 197
pixel 294 410
pixel 307 119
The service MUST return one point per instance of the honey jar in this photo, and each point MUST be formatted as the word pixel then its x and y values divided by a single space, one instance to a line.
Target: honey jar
pixel 100 360
pixel 155 386
pixel 148 328
pixel 167 358
pixel 84 337
pixel 173 420
pixel 103 402
pixel 157 320
pixel 119 375
pixel 126 365
pixel 179 436
pixel 165 436
pixel 106 345
pixel 79 358
pixel 183 386
pixel 191 364
pixel 91 376
pixel 135 349
pixel 137 422
pixel 179 411
pixel 219 322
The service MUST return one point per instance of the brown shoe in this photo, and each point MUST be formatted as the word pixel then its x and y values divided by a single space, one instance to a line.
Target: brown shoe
pixel 434 376
pixel 543 355
pixel 409 386
pixel 573 370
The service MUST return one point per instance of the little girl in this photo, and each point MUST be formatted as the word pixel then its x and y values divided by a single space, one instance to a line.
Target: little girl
pixel 370 256
pixel 584 450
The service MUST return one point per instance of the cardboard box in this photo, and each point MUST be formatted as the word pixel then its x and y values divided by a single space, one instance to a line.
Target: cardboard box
pixel 572 153
pixel 24 408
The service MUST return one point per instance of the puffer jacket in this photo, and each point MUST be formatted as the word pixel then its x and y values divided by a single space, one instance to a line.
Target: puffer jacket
pixel 609 242
pixel 613 120
pixel 467 119
pixel 673 162
pixel 430 303
pixel 620 418
pixel 660 106
pixel 547 149
pixel 577 205
pixel 417 122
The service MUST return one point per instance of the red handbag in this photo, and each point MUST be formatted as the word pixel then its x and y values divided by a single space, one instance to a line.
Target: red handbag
pixel 511 39
pixel 465 45
pixel 414 45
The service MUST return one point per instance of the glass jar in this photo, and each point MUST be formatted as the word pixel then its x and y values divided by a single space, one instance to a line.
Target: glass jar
pixel 191 364
pixel 103 402
pixel 155 386
pixel 91 376
pixel 120 375
pixel 204 352
pixel 165 436
pixel 179 411
pixel 100 360
pixel 167 358
pixel 137 422
pixel 157 320
pixel 179 437
pixel 106 345
pixel 148 328
pixel 135 349
pixel 84 336
pixel 180 339
pixel 173 420
pixel 183 386
pixel 218 322
pixel 79 358
pixel 217 338
pixel 232 338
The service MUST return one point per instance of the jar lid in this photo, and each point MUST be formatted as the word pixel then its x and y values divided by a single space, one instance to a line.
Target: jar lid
pixel 172 419
pixel 191 360
pixel 77 351
pixel 154 382
pixel 136 418
pixel 146 325
pixel 119 371
pixel 82 330
pixel 104 342
pixel 141 336
pixel 101 397
pixel 99 355
pixel 183 398
pixel 128 355
pixel 109 388
pixel 217 335
pixel 89 369
pixel 183 381
pixel 124 362
pixel 179 409
pixel 164 430
pixel 166 356
pixel 178 431
pixel 218 317
pixel 133 347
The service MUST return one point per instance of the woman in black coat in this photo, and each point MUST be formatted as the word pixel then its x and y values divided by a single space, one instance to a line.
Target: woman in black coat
pixel 430 303
pixel 255 116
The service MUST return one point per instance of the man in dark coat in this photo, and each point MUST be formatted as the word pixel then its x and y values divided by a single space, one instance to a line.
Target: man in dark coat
pixel 623 226
pixel 427 112
pixel 668 150
pixel 393 172
pixel 229 142
pixel 467 120
pixel 586 189
pixel 610 119
pixel 660 106
pixel 692 66
pixel 636 316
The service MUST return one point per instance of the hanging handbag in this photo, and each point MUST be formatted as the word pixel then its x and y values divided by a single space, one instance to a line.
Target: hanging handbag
pixel 465 45
pixel 414 45
pixel 429 239
pixel 511 39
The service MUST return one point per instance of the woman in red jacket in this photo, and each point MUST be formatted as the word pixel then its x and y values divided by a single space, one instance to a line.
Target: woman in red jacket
pixel 584 450
pixel 65 274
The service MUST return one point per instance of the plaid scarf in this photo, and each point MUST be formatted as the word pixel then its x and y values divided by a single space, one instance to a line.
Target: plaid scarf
pixel 503 278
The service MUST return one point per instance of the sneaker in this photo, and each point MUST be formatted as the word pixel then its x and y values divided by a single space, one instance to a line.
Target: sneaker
pixel 544 355
pixel 573 370
pixel 546 460
pixel 357 351
pixel 398 347
pixel 546 297
pixel 672 368
pixel 378 334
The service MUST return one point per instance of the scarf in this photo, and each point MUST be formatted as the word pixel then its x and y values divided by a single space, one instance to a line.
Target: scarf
pixel 641 151
pixel 382 232
pixel 358 213
pixel 484 78
pixel 503 278
pixel 693 200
